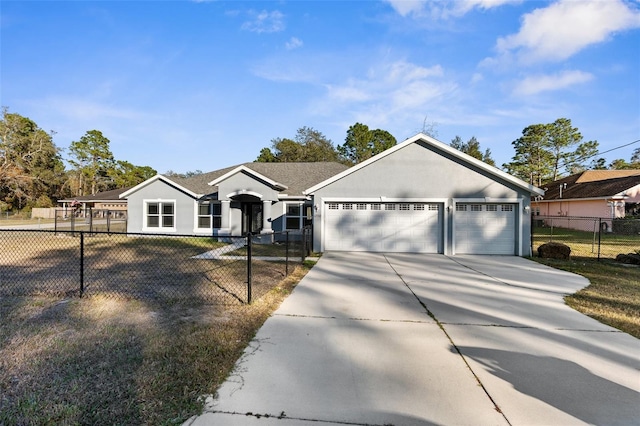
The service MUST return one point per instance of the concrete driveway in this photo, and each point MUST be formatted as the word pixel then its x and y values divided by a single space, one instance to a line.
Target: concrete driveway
pixel 402 339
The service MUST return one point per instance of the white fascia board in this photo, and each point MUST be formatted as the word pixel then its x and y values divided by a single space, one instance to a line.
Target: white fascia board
pixel 441 146
pixel 558 200
pixel 250 172
pixel 285 197
pixel 165 180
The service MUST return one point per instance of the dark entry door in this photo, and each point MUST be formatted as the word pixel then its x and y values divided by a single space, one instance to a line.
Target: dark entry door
pixel 251 218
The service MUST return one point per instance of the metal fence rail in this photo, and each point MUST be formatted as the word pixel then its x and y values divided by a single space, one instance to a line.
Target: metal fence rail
pixel 91 220
pixel 599 238
pixel 228 270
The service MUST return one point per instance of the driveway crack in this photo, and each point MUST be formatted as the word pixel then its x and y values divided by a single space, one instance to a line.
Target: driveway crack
pixel 441 326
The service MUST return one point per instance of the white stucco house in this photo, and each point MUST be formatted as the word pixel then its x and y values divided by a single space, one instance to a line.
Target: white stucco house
pixel 419 196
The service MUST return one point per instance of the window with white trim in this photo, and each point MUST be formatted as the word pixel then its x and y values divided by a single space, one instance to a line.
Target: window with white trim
pixel 375 206
pixel 216 215
pixel 333 206
pixel 361 206
pixel 418 207
pixel 160 214
pixel 492 207
pixel 434 207
pixel 347 206
pixel 293 216
pixel 404 206
pixel 389 206
pixel 507 208
pixel 461 207
pixel 476 207
pixel 204 217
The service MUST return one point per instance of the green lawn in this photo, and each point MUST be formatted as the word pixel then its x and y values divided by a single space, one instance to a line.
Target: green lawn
pixel 585 244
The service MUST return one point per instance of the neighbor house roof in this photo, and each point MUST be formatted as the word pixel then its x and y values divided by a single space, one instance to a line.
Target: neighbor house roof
pixel 593 184
pixel 290 178
pixel 110 196
pixel 421 137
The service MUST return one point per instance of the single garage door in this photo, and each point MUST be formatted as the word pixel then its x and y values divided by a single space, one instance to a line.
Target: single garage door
pixel 383 227
pixel 485 228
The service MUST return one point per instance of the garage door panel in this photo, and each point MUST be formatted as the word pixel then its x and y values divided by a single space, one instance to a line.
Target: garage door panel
pixel 484 228
pixel 383 227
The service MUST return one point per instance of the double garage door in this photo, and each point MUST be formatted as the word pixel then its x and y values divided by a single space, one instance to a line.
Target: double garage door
pixel 418 227
pixel 383 227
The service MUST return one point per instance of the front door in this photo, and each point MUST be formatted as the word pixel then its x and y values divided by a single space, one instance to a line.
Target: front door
pixel 251 218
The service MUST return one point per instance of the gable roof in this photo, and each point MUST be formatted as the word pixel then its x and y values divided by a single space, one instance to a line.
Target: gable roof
pixel 112 195
pixel 593 184
pixel 421 137
pixel 161 178
pixel 245 169
pixel 290 178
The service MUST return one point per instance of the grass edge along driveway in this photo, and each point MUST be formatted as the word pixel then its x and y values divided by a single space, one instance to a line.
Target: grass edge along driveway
pixel 613 295
pixel 106 361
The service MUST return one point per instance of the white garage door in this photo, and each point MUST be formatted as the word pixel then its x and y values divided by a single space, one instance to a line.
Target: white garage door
pixel 485 228
pixel 383 227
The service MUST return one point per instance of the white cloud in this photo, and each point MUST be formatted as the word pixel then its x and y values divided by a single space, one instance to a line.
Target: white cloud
pixel 398 89
pixel 294 43
pixel 265 22
pixel 564 28
pixel 543 83
pixel 407 7
pixel 462 7
pixel 443 9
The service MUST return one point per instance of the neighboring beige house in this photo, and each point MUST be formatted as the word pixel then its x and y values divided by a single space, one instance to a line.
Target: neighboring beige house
pixel 606 194
pixel 99 203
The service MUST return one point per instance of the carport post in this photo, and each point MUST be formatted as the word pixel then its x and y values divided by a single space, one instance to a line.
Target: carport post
pixel 249 268
pixel 286 254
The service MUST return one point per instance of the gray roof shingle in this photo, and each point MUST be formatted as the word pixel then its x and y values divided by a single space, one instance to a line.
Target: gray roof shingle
pixel 296 176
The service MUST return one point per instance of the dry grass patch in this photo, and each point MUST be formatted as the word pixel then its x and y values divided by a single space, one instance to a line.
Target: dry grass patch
pixel 613 295
pixel 111 361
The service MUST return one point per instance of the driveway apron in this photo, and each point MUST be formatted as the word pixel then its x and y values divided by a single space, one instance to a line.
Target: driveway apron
pixel 375 339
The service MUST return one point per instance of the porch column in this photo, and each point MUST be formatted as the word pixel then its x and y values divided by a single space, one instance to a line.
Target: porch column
pixel 266 217
pixel 225 212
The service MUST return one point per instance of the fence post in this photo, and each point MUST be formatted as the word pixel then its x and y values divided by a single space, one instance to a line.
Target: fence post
pixel 286 254
pixel 303 247
pixel 249 268
pixel 81 263
pixel 531 230
pixel 599 236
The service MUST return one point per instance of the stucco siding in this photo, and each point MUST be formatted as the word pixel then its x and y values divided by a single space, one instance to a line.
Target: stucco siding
pixel 161 191
pixel 243 182
pixel 416 171
pixel 421 172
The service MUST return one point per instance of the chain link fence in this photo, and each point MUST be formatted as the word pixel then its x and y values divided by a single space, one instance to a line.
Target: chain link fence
pixel 229 270
pixel 588 236
pixel 91 220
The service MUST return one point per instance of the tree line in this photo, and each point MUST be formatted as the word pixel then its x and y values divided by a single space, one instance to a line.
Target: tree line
pixel 544 153
pixel 33 174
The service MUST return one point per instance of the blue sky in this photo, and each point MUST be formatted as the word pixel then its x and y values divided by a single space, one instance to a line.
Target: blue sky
pixel 186 85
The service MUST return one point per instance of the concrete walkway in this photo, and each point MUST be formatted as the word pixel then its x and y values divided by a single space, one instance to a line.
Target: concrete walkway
pixel 398 339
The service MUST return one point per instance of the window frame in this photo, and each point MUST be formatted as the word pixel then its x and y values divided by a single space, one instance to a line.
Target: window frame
pixel 161 215
pixel 199 215
pixel 299 217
